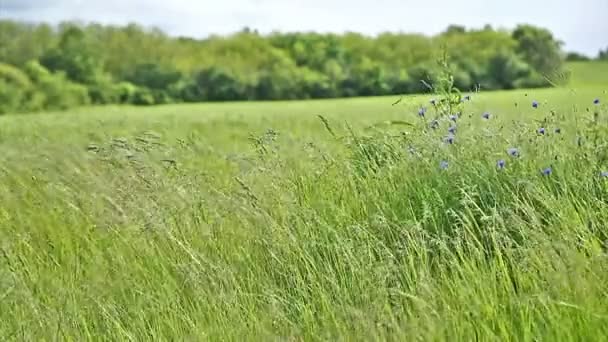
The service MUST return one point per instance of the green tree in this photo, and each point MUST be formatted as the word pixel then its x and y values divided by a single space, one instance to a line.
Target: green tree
pixel 505 69
pixel 15 89
pixel 576 57
pixel 75 56
pixel 214 84
pixel 153 76
pixel 22 42
pixel 54 90
pixel 603 55
pixel 538 48
pixel 134 64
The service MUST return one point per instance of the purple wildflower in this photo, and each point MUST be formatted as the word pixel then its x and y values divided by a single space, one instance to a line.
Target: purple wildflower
pixel 434 124
pixel 486 115
pixel 604 174
pixel 453 118
pixel 596 101
pixel 450 139
pixel 513 152
pixel 422 111
pixel 547 171
pixel 541 130
pixel 535 104
pixel 452 129
pixel 501 164
pixel 443 165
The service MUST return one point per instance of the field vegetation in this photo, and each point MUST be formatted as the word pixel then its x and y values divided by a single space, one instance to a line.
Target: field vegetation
pixel 445 216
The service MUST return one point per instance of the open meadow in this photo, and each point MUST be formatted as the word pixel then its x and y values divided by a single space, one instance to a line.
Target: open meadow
pixel 349 219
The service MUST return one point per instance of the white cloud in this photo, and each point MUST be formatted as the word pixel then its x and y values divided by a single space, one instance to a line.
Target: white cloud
pixel 582 26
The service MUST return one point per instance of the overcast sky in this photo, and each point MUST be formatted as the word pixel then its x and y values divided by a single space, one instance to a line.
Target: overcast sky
pixel 583 26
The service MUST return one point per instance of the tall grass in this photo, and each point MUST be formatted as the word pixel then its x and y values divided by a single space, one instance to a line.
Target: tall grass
pixel 357 236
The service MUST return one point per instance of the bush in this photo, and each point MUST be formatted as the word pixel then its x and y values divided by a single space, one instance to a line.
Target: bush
pixel 153 76
pixel 505 69
pixel 54 90
pixel 534 80
pixel 103 93
pixel 420 74
pixel 125 92
pixel 143 97
pixel 15 89
pixel 75 57
pixel 61 94
pixel 108 92
pixel 576 57
pixel 11 97
pixel 214 84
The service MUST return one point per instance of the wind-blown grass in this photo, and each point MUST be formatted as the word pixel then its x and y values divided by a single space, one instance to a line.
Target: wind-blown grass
pixel 252 221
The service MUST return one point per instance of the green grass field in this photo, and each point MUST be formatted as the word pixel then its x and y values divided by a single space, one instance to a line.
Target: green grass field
pixel 252 221
pixel 588 74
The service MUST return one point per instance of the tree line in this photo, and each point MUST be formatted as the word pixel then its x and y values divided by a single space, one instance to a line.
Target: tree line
pixel 44 67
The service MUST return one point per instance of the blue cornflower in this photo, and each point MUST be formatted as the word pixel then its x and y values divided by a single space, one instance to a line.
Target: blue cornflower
pixel 541 130
pixel 513 152
pixel 452 129
pixel 421 111
pixel 558 130
pixel 450 139
pixel 501 164
pixel 547 171
pixel 596 101
pixel 604 174
pixel 486 115
pixel 535 104
pixel 443 165
pixel 434 124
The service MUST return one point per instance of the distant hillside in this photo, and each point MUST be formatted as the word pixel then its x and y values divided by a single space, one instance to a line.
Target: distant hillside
pixel 588 73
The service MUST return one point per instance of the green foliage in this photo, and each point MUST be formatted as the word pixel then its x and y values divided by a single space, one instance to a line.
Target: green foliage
pixel 255 222
pixel 15 88
pixel 125 91
pixel 75 57
pixel 538 48
pixel 153 76
pixel 143 96
pixel 422 76
pixel 53 90
pixel 214 83
pixel 104 91
pixel 21 42
pixel 576 57
pixel 250 66
pixel 603 55
pixel 505 70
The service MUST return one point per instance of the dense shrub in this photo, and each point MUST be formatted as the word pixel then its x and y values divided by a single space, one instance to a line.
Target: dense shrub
pixel 143 96
pixel 54 90
pixel 505 70
pixel 133 65
pixel 15 88
pixel 153 76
